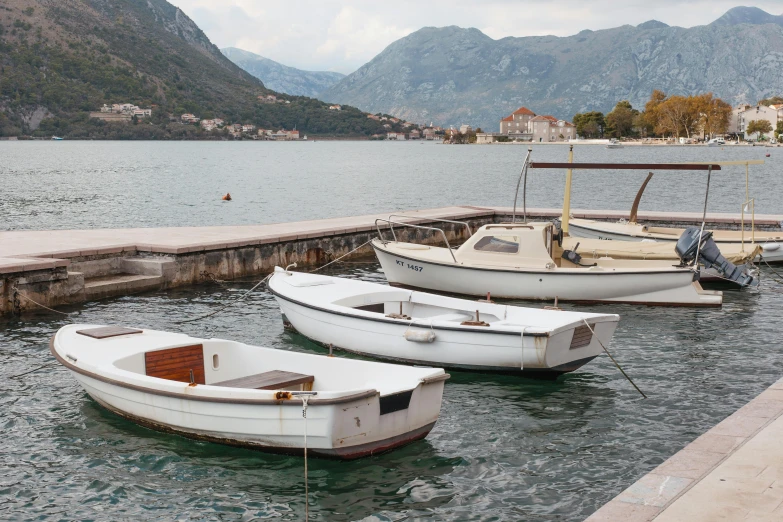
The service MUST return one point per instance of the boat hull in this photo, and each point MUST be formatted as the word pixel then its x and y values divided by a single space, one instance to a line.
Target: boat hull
pixel 665 287
pixel 282 426
pixel 505 352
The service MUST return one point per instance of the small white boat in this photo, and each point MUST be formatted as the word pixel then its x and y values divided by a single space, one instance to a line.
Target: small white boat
pixel 56 138
pixel 614 144
pixel 421 328
pixel 237 394
pixel 770 242
pixel 716 142
pixel 524 261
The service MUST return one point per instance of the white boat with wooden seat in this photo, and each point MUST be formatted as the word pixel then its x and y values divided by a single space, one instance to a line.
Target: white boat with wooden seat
pixel 233 393
pixel 421 328
pixel 524 261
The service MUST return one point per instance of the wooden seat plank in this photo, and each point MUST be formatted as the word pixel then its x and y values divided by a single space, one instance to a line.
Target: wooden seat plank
pixel 175 364
pixel 108 331
pixel 272 380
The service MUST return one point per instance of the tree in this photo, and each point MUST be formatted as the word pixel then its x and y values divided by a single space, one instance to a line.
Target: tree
pixel 651 113
pixel 641 126
pixel 713 114
pixel 759 126
pixel 590 124
pixel 779 129
pixel 619 122
pixel 775 100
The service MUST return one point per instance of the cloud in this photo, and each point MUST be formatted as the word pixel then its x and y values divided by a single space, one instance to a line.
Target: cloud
pixel 343 35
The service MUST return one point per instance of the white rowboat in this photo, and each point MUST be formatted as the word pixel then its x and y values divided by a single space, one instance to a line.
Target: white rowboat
pixel 421 328
pixel 233 393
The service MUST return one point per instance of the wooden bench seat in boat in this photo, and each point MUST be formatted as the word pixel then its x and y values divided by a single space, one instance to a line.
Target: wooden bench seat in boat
pixel 273 380
pixel 176 364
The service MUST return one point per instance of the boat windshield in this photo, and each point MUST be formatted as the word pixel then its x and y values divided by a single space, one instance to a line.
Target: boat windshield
pixel 502 244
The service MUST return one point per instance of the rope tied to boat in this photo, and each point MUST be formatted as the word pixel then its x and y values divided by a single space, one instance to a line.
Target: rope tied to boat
pixel 305 396
pixel 17 293
pixel 342 256
pixel 232 303
pixel 612 358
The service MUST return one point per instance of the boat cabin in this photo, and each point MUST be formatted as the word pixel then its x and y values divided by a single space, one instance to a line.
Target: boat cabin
pixel 529 245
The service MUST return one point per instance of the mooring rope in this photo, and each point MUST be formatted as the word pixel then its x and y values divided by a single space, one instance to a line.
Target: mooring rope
pixel 612 358
pixel 36 369
pixel 305 398
pixel 17 293
pixel 232 303
pixel 779 281
pixel 342 256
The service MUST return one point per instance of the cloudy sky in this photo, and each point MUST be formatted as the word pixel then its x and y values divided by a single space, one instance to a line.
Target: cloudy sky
pixel 342 35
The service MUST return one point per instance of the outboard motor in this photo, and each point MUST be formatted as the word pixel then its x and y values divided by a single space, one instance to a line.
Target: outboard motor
pixel 710 256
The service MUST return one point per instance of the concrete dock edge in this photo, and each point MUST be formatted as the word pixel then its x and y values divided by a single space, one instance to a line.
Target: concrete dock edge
pixel 734 471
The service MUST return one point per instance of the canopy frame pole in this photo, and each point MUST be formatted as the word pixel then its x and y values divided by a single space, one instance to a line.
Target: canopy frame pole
pixel 524 193
pixel 567 193
pixel 703 218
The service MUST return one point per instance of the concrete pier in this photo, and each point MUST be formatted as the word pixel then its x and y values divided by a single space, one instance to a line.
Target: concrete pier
pixel 71 266
pixel 732 472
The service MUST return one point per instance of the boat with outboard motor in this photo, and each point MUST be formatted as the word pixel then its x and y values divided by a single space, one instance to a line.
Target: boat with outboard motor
pixel 233 393
pixel 526 261
pixel 662 250
pixel 770 242
pixel 422 328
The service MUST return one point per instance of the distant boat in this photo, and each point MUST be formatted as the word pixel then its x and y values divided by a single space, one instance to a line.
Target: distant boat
pixel 56 138
pixel 614 144
pixel 716 142
pixel 305 137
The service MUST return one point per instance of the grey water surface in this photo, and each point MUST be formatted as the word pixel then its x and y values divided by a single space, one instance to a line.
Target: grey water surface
pixel 505 448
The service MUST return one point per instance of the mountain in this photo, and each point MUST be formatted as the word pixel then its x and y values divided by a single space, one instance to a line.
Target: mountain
pixel 453 75
pixel 748 15
pixel 60 59
pixel 282 78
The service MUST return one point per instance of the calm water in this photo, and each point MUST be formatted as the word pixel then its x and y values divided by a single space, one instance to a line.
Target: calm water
pixel 50 185
pixel 504 448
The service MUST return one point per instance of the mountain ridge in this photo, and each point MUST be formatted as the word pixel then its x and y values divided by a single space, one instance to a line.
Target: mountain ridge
pixel 282 78
pixel 454 75
pixel 61 60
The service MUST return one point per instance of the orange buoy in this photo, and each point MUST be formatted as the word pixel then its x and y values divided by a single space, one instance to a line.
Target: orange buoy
pixel 227 197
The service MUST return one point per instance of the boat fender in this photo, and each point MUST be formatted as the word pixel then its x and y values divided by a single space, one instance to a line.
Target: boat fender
pixel 419 336
pixel 770 247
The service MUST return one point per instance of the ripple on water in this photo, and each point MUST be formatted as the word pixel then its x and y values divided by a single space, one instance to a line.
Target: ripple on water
pixel 504 448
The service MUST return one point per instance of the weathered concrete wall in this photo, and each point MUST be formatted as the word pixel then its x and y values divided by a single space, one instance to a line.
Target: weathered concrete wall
pixel 106 275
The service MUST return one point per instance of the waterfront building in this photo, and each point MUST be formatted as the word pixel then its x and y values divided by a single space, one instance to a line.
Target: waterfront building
pixel 743 114
pixel 517 121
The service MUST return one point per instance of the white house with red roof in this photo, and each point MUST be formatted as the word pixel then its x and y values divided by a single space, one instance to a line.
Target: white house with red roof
pixel 525 124
pixel 516 122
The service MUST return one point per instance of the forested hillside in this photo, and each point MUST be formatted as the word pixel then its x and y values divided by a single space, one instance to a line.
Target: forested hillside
pixel 61 59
